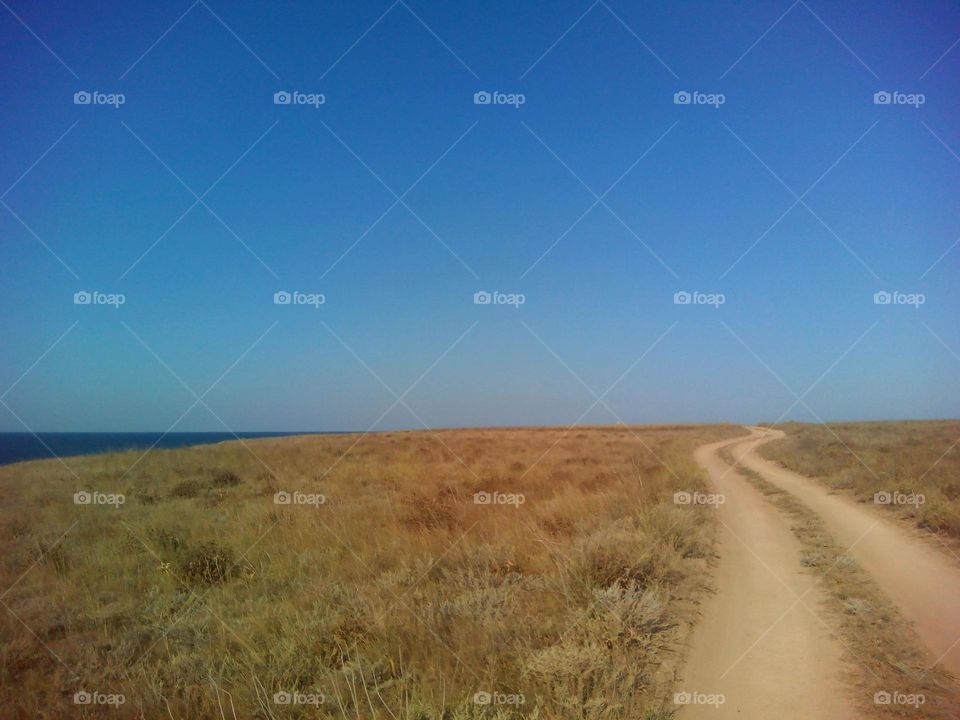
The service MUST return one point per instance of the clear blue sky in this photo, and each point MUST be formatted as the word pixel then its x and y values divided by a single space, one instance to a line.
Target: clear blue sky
pixel 505 185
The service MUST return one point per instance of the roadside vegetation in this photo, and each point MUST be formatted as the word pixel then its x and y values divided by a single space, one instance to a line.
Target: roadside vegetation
pixel 530 573
pixel 880 644
pixel 911 468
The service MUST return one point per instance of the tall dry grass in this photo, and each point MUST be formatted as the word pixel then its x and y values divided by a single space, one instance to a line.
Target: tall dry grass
pixel 397 597
pixel 904 460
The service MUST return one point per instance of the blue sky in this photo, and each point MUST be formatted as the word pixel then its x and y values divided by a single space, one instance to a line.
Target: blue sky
pixel 504 198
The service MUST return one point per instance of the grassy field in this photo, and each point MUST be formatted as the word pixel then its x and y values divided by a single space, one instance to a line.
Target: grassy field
pixel 458 574
pixel 912 468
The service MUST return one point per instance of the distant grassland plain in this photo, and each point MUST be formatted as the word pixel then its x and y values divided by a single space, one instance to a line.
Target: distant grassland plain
pixel 909 467
pixel 454 574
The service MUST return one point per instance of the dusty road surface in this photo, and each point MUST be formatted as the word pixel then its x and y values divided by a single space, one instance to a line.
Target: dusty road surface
pixel 919 575
pixel 765 652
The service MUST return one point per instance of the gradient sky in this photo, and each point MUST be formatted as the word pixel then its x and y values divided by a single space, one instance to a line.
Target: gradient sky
pixel 304 185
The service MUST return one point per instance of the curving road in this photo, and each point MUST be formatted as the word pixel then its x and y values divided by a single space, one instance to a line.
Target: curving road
pixel 920 575
pixel 760 642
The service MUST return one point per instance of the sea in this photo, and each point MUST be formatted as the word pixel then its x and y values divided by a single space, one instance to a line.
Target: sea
pixel 20 446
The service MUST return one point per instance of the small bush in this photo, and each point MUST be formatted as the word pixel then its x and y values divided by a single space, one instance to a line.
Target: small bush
pixel 18 529
pixel 186 489
pixel 53 555
pixel 147 497
pixel 166 539
pixel 624 557
pixel 226 478
pixel 425 513
pixel 207 564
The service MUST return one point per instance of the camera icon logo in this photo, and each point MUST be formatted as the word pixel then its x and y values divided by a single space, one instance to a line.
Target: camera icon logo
pixel 882 297
pixel 482 97
pixel 282 97
pixel 282 297
pixel 82 98
pixel 482 298
pixel 682 498
pixel 282 698
pixel 682 698
pixel 882 97
pixel 482 697
pixel 682 297
pixel 82 298
pixel 882 698
pixel 82 497
pixel 882 498
pixel 282 498
pixel 682 98
pixel 82 698
pixel 482 498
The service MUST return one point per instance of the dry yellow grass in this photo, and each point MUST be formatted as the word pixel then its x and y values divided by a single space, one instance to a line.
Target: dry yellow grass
pixel 915 465
pixel 394 595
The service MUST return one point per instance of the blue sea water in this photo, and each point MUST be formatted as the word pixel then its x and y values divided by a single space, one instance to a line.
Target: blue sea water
pixel 16 447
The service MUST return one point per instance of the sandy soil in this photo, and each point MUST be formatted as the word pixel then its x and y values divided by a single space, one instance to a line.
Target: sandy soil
pixel 761 643
pixel 919 574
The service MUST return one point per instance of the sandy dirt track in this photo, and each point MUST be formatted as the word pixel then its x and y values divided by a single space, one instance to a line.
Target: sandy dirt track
pixel 765 651
pixel 918 574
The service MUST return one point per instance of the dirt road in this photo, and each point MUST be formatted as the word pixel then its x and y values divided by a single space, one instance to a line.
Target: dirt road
pixel 920 576
pixel 764 651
